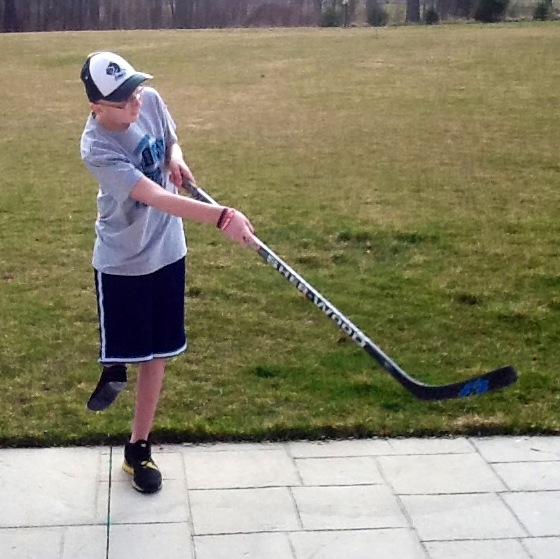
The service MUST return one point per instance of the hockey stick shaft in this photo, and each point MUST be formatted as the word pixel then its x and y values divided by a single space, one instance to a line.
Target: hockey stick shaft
pixel 493 380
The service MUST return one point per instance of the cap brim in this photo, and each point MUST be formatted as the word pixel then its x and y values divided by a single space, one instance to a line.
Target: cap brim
pixel 123 92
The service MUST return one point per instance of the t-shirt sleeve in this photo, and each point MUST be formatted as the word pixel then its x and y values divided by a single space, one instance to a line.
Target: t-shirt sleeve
pixel 115 174
pixel 169 126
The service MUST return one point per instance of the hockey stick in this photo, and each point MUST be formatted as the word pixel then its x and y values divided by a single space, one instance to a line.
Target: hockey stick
pixel 493 380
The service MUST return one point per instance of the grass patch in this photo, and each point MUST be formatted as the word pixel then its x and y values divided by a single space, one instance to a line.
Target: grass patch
pixel 410 174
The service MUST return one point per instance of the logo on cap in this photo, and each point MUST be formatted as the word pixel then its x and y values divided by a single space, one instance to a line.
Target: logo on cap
pixel 113 69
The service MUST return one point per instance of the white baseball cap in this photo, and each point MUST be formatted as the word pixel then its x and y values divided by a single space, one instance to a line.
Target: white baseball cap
pixel 108 76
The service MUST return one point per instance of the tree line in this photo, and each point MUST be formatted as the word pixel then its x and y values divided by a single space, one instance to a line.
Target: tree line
pixel 65 15
pixel 61 15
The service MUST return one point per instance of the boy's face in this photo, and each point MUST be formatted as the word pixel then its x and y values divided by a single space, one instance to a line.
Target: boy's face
pixel 119 115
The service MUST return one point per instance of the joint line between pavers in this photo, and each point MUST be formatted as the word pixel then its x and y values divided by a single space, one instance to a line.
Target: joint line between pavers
pixel 406 515
pixel 107 548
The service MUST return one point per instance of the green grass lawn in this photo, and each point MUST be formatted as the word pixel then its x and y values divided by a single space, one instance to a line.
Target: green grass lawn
pixel 410 174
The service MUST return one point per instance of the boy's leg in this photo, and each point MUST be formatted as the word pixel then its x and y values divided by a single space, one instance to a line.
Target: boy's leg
pixel 138 453
pixel 148 388
pixel 111 383
pixel 168 340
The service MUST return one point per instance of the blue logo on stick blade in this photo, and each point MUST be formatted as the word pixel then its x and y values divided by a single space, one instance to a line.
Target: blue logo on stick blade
pixel 475 387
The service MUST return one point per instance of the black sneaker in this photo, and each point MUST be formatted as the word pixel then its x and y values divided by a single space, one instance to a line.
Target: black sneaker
pixel 111 383
pixel 138 462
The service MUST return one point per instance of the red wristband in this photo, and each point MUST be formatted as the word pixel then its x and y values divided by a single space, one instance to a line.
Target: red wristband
pixel 222 218
pixel 225 218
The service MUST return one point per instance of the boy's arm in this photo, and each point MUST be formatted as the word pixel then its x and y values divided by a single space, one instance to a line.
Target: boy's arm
pixel 232 222
pixel 151 194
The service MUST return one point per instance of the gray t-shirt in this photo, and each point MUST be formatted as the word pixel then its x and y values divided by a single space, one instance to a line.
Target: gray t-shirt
pixel 133 238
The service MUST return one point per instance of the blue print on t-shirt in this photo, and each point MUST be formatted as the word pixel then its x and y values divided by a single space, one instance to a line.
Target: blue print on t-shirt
pixel 152 153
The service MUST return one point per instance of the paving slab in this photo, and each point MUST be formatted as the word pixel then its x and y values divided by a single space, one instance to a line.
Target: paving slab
pixel 543 548
pixel 243 510
pixel 270 545
pixel 335 508
pixel 150 541
pixel 358 544
pixel 416 446
pixel 60 542
pixel 231 469
pixel 477 549
pixel 52 487
pixel 538 511
pixel 353 470
pixel 196 448
pixel 441 473
pixel 529 476
pixel 518 449
pixel 325 449
pixel 131 507
pixel 461 517
pixel 29 543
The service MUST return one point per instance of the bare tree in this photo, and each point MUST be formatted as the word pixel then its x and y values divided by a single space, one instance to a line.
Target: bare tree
pixel 92 14
pixel 455 8
pixel 412 11
pixel 182 13
pixel 10 19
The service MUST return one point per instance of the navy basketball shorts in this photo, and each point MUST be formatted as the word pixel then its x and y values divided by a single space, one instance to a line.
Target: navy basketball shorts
pixel 141 317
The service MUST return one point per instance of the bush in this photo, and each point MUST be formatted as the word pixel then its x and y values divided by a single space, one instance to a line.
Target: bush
pixel 431 16
pixel 377 15
pixel 543 10
pixel 490 11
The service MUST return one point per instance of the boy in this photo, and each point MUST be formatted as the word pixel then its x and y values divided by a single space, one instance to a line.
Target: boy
pixel 130 146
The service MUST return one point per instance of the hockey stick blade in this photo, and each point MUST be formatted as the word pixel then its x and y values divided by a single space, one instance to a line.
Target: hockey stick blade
pixel 474 386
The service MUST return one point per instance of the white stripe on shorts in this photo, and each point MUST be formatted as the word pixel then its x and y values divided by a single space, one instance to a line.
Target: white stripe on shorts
pixel 103 340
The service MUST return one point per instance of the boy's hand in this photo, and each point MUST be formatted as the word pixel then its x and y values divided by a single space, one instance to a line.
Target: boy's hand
pixel 178 169
pixel 237 228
